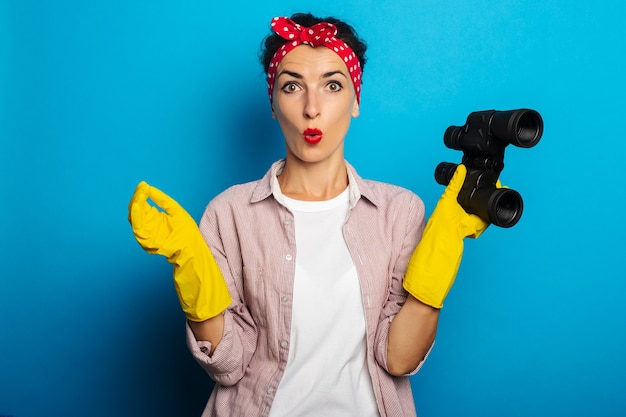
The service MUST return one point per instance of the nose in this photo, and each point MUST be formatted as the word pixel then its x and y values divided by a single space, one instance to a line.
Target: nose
pixel 312 105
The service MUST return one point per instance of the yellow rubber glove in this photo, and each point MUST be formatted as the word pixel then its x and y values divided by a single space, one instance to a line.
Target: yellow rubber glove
pixel 173 233
pixel 435 262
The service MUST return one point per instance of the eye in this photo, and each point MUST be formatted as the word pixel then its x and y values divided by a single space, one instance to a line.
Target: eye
pixel 334 86
pixel 290 87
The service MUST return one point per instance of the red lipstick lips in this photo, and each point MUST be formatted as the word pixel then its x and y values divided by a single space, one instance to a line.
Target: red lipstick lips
pixel 312 136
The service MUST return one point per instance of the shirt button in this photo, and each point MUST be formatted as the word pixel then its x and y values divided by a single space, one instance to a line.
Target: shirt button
pixel 287 222
pixel 284 344
pixel 284 299
pixel 289 257
pixel 270 390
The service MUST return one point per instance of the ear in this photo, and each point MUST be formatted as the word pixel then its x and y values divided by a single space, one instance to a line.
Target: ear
pixel 355 109
pixel 273 113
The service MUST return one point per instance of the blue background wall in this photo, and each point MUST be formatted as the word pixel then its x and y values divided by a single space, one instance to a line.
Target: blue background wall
pixel 95 96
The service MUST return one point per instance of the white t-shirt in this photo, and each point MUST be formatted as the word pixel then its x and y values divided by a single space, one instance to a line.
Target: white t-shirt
pixel 326 373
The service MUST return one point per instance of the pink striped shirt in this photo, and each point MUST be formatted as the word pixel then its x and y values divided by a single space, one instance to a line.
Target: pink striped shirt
pixel 252 237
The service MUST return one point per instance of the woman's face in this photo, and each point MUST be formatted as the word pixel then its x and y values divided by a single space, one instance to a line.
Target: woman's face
pixel 314 102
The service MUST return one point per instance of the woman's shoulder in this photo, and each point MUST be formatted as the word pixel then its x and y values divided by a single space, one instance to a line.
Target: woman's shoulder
pixel 387 193
pixel 380 192
pixel 382 189
pixel 235 194
pixel 389 188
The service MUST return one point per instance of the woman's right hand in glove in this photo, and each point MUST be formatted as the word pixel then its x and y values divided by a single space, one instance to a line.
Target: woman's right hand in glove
pixel 170 231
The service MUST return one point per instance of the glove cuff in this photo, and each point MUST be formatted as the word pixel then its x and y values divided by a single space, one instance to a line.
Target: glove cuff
pixel 432 269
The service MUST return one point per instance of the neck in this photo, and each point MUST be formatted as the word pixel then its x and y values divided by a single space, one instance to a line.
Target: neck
pixel 313 181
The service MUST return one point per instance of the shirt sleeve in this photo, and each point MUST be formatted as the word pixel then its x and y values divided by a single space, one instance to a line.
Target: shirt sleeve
pixel 413 220
pixel 226 364
pixel 232 355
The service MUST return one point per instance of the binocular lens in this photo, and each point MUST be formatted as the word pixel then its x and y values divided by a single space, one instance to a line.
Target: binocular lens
pixel 500 206
pixel 505 207
pixel 522 128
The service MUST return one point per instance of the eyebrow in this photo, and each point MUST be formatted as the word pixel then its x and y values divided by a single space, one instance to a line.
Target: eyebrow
pixel 299 76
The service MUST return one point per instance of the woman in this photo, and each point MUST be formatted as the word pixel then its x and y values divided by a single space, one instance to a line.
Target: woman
pixel 300 306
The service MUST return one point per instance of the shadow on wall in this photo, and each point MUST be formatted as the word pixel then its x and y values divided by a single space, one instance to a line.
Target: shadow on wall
pixel 153 367
pixel 257 138
pixel 154 370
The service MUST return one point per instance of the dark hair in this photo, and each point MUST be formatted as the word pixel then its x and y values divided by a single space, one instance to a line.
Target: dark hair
pixel 345 32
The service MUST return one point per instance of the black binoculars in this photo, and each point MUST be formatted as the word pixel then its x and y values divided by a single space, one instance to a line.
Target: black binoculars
pixel 483 139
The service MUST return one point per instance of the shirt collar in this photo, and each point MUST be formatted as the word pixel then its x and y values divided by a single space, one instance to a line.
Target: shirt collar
pixel 357 186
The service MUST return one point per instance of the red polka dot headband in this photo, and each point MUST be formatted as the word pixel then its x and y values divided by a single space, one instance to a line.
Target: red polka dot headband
pixel 320 34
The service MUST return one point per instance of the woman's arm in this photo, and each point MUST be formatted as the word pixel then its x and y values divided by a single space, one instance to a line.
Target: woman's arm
pixel 411 335
pixel 224 344
pixel 210 330
pixel 430 273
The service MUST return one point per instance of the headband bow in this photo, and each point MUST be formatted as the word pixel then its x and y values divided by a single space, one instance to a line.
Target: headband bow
pixel 320 34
